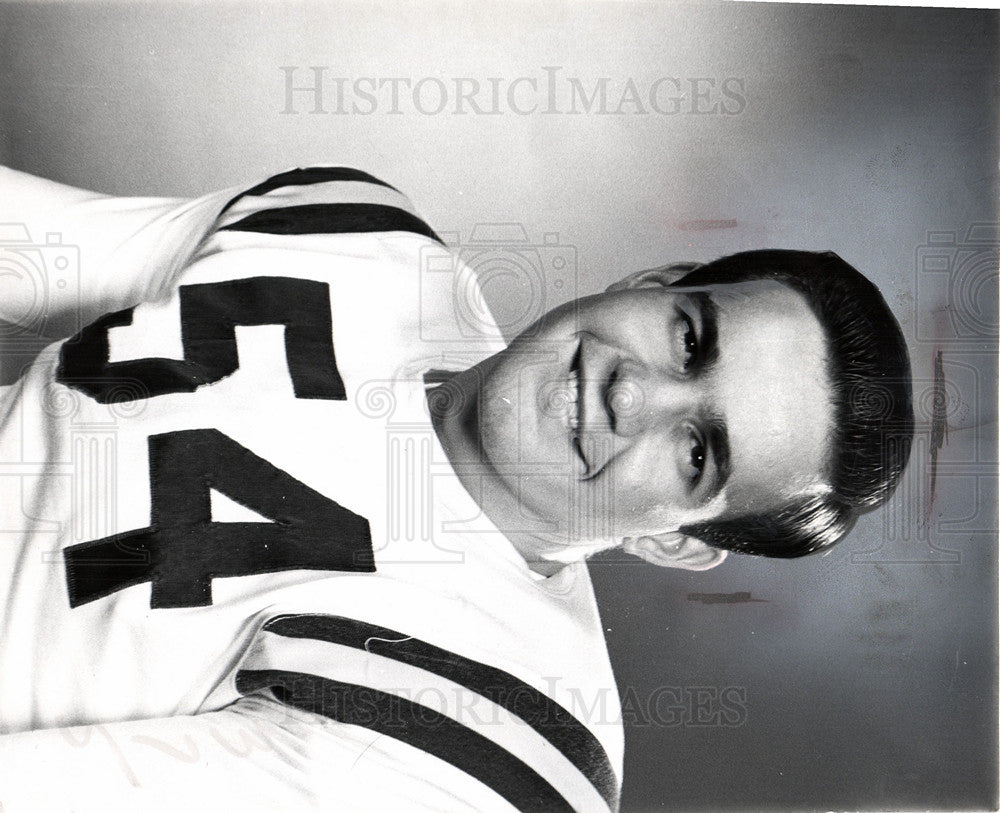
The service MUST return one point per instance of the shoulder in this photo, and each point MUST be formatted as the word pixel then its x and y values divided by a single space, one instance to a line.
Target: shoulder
pixel 322 200
pixel 471 721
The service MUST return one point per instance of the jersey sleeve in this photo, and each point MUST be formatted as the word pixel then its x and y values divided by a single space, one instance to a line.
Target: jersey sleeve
pixel 255 755
pixel 322 200
pixel 70 255
pixel 478 728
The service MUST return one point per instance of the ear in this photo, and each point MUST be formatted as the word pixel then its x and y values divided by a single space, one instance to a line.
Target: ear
pixel 664 275
pixel 674 549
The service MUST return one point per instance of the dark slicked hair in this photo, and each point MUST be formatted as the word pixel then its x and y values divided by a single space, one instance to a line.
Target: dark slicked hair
pixel 868 370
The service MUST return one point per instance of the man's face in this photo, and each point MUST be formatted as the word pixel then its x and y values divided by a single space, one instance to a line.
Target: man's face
pixel 637 411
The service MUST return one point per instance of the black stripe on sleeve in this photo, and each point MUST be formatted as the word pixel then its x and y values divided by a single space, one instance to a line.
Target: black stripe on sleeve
pixel 571 737
pixel 414 724
pixel 306 177
pixel 333 218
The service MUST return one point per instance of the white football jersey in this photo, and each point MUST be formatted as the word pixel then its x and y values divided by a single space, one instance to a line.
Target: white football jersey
pixel 233 489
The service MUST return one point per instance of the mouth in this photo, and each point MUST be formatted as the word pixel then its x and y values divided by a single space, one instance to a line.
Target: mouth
pixel 574 411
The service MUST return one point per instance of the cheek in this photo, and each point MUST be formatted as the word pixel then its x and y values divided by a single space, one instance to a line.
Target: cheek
pixel 646 485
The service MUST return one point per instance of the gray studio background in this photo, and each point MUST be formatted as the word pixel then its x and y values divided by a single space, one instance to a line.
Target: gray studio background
pixel 862 679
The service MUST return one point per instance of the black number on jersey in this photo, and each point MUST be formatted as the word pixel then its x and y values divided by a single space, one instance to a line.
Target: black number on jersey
pixel 209 315
pixel 182 550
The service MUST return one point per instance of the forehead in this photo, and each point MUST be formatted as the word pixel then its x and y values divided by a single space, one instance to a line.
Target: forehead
pixel 770 385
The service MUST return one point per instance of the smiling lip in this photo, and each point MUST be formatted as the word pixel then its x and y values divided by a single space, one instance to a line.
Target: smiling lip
pixel 576 416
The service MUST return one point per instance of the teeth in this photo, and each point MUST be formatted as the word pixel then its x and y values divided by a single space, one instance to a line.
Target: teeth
pixel 573 411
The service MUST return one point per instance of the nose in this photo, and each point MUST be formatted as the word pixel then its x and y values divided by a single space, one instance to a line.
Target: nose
pixel 640 397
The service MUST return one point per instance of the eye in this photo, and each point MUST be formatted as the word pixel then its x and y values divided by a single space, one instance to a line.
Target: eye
pixel 686 340
pixel 695 464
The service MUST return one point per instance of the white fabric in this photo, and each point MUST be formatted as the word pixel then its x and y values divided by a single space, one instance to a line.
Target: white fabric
pixel 73 470
pixel 256 755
